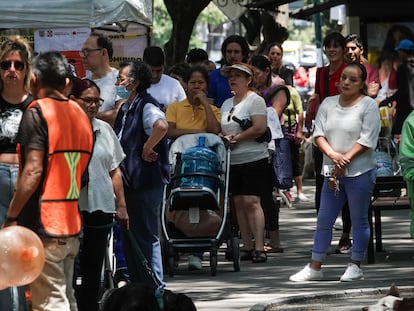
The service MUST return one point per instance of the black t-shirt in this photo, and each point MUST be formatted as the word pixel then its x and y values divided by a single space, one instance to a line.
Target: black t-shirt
pixel 10 117
pixel 32 134
pixel 33 130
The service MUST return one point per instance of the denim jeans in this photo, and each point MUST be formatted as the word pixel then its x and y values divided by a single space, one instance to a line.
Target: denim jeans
pixel 144 208
pixel 11 298
pixel 357 191
pixel 8 176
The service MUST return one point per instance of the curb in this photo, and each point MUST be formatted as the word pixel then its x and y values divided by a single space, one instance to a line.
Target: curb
pixel 337 294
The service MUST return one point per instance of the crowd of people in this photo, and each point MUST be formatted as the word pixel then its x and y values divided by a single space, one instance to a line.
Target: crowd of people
pixel 76 154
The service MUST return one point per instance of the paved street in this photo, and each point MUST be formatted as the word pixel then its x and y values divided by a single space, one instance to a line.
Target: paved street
pixel 266 286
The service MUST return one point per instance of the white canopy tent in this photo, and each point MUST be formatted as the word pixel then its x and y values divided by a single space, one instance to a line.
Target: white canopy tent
pixel 73 13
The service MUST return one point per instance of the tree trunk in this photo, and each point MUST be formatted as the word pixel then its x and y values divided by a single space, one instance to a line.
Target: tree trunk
pixel 183 14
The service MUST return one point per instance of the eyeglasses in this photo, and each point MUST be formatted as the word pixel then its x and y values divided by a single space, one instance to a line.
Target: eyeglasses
pixel 92 101
pixel 6 65
pixel 120 79
pixel 85 52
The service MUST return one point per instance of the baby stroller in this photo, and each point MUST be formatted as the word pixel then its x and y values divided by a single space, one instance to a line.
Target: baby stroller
pixel 198 190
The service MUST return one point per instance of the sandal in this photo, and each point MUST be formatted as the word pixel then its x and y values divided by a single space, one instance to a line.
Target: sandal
pixel 270 249
pixel 246 254
pixel 259 257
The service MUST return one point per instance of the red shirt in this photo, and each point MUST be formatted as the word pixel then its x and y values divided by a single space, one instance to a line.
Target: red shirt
pixel 332 79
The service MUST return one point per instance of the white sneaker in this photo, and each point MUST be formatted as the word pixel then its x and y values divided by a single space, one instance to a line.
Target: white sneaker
pixel 352 273
pixel 307 274
pixel 338 224
pixel 302 198
pixel 194 263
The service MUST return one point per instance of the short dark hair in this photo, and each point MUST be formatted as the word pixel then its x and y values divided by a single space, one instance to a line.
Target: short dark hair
pixel 154 56
pixel 334 37
pixel 80 85
pixel 51 68
pixel 354 38
pixel 142 72
pixel 179 69
pixel 196 55
pixel 103 42
pixel 240 41
pixel 200 69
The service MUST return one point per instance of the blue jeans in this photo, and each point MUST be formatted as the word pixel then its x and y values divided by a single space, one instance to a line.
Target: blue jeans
pixel 144 208
pixel 357 191
pixel 8 176
pixel 11 298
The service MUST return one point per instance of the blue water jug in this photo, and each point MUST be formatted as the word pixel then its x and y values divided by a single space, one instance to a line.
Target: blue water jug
pixel 384 164
pixel 200 159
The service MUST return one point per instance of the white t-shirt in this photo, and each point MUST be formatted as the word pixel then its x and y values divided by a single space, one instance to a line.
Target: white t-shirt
pixel 106 156
pixel 248 150
pixel 168 90
pixel 344 126
pixel 108 89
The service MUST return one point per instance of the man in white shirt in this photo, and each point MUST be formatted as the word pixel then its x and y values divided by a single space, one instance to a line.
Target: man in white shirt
pixel 95 53
pixel 164 89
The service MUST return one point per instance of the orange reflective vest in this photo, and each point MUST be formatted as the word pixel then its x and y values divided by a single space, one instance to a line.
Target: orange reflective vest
pixel 70 146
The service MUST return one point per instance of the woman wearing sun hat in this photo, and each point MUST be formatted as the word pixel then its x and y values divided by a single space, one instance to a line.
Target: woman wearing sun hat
pixel 248 157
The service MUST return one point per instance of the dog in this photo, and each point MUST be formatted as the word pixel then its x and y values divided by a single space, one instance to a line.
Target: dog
pixel 142 297
pixel 392 302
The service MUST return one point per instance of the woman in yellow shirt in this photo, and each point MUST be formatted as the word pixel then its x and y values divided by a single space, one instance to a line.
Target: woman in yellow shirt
pixel 195 114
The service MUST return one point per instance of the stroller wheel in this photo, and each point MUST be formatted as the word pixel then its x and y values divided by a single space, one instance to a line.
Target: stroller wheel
pixel 235 250
pixel 213 262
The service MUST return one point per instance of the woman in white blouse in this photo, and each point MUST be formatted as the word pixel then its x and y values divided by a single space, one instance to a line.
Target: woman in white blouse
pixel 346 130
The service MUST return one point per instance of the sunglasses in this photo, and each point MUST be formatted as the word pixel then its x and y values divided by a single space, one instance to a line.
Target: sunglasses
pixel 6 65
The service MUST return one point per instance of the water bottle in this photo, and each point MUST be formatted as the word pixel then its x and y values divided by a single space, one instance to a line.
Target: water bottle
pixel 200 159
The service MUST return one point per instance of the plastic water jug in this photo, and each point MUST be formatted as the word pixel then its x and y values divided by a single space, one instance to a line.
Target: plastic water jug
pixel 384 164
pixel 200 159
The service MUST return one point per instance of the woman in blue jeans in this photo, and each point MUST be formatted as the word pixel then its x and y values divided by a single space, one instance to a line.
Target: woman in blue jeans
pixel 15 74
pixel 346 131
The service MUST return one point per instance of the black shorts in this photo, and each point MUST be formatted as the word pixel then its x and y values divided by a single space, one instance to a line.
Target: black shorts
pixel 249 178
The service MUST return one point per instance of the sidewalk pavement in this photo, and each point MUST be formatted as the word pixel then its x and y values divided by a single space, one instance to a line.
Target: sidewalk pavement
pixel 267 286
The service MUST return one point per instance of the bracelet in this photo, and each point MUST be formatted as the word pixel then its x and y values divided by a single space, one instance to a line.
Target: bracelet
pixel 10 219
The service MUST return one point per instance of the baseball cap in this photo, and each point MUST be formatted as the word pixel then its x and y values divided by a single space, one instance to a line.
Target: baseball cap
pixel 405 45
pixel 242 67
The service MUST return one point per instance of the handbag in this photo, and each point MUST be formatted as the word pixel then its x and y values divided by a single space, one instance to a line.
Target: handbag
pixel 282 164
pixel 246 123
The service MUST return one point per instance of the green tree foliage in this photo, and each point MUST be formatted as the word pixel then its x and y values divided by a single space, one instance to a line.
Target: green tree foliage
pixel 162 26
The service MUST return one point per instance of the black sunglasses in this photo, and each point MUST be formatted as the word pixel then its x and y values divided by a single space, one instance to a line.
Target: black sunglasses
pixel 6 65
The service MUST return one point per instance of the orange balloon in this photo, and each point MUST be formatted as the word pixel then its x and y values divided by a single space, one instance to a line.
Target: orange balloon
pixel 22 256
